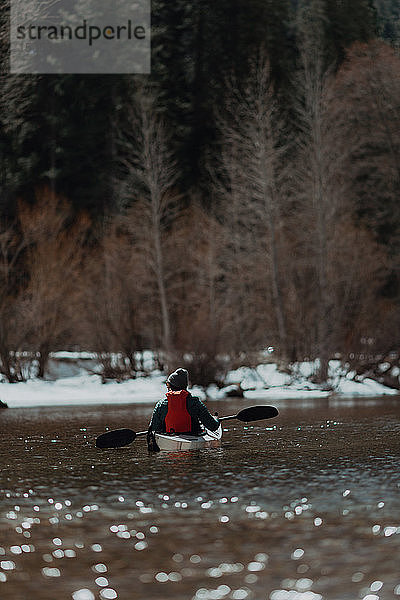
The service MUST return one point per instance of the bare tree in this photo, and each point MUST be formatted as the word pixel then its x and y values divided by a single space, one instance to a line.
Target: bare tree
pixel 53 264
pixel 12 329
pixel 119 316
pixel 253 182
pixel 319 191
pixel 203 327
pixel 325 216
pixel 368 84
pixel 148 187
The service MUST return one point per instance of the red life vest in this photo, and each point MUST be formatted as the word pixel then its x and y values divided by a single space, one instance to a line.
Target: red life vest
pixel 178 419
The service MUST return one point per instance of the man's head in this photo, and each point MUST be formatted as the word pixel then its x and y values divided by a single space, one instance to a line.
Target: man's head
pixel 178 380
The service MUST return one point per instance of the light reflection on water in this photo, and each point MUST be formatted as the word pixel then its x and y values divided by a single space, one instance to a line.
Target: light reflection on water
pixel 304 507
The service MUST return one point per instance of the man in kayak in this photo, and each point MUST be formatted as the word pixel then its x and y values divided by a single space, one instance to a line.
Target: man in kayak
pixel 179 411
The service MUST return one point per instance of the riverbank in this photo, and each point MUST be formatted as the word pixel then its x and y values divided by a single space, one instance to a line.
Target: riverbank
pixel 264 382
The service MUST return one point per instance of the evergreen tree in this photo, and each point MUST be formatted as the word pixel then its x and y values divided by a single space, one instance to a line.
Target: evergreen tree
pixel 80 149
pixel 388 16
pixel 197 47
pixel 66 139
pixel 349 21
pixel 58 130
pixel 338 23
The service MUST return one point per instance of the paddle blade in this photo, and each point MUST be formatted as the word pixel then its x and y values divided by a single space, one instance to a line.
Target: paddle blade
pixel 116 438
pixel 257 413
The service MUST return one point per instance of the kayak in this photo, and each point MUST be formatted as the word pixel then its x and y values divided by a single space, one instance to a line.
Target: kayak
pixel 118 438
pixel 186 441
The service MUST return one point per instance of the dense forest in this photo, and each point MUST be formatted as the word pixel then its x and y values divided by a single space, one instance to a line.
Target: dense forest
pixel 243 196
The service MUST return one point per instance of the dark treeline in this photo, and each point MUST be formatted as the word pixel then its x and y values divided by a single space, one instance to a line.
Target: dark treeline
pixel 68 137
pixel 243 195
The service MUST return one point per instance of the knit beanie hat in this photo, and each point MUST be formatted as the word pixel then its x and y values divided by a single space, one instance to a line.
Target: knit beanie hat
pixel 179 380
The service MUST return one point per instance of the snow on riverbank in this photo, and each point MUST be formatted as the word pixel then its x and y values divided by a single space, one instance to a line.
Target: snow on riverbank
pixel 264 382
pixel 83 389
pixel 267 382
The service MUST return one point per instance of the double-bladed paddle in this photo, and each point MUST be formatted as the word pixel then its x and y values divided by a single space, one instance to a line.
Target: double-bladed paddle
pixel 117 438
pixel 123 437
pixel 253 413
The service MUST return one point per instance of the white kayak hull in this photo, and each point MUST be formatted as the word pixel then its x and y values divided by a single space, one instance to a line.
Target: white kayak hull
pixel 183 441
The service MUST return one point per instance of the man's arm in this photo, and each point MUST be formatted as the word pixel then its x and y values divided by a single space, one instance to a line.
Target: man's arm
pixel 158 416
pixel 197 409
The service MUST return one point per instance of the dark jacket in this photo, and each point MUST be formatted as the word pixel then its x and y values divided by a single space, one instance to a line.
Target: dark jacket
pixel 198 411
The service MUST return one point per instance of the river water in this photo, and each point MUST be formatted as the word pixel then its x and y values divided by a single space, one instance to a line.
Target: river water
pixel 302 507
